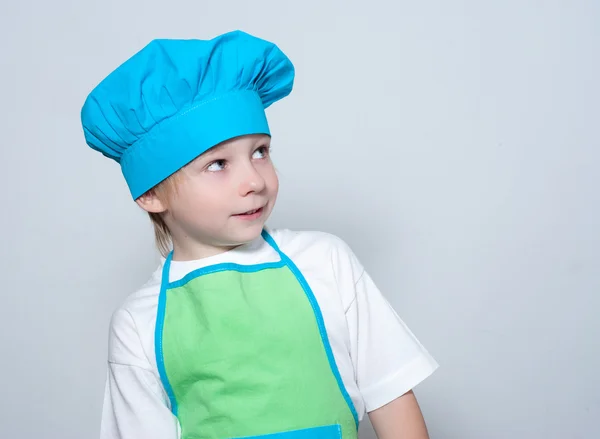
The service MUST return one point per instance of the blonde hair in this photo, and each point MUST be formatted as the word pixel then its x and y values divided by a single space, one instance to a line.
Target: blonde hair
pixel 165 190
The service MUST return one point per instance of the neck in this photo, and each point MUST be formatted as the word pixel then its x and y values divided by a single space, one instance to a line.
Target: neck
pixel 188 250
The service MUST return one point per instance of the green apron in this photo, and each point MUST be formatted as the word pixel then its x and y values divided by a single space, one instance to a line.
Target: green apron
pixel 242 351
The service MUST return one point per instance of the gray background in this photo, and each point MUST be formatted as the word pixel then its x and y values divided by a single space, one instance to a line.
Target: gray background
pixel 453 144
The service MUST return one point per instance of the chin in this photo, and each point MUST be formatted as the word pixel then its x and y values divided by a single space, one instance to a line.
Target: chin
pixel 245 235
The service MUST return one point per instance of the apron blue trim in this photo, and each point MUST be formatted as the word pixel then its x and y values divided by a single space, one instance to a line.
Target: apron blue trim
pixel 320 322
pixel 158 334
pixel 326 432
pixel 224 267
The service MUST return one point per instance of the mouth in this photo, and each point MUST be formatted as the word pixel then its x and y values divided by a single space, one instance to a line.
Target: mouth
pixel 251 214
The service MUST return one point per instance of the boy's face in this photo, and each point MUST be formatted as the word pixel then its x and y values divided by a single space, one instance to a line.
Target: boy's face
pixel 223 198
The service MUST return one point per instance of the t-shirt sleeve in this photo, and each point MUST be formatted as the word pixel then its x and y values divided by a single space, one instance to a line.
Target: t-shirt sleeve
pixel 135 405
pixel 388 359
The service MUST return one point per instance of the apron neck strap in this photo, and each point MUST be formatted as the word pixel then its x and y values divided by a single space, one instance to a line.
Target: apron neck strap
pixel 272 242
pixel 165 270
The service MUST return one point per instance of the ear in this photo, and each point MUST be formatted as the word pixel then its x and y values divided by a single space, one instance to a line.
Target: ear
pixel 151 203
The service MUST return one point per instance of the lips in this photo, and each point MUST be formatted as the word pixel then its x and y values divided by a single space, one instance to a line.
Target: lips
pixel 250 212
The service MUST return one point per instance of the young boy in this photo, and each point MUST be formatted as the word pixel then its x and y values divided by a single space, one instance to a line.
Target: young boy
pixel 242 331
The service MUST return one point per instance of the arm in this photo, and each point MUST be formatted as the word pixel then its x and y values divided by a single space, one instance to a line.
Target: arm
pixel 135 404
pixel 400 419
pixel 388 359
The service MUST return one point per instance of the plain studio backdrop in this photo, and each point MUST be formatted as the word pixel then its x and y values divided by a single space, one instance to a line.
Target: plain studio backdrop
pixel 453 144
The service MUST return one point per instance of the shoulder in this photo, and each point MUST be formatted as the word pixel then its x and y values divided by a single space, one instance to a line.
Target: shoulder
pixel 131 325
pixel 321 249
pixel 309 241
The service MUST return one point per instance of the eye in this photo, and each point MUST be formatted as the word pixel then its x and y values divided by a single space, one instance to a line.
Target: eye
pixel 217 165
pixel 261 153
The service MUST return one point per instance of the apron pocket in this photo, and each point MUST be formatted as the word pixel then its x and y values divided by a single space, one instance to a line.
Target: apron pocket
pixel 327 432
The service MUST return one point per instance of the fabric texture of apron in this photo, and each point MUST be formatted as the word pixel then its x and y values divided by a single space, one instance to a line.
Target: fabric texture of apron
pixel 242 352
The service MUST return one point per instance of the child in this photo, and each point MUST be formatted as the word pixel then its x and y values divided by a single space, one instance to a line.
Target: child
pixel 243 330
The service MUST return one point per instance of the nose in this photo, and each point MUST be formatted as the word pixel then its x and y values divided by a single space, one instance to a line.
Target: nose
pixel 253 181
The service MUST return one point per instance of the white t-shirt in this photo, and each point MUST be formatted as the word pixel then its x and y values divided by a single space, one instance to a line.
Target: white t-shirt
pixel 378 357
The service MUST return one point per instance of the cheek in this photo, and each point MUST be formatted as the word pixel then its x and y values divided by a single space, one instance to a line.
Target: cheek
pixel 192 200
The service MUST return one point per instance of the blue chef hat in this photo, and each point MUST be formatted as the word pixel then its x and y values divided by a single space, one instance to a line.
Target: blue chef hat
pixel 175 99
